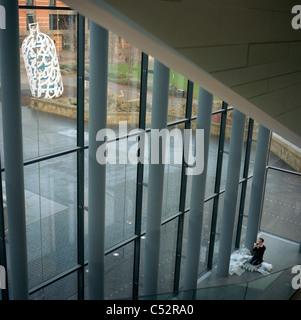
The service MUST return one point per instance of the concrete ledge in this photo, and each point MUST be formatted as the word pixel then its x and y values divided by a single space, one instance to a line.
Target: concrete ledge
pixel 286 152
pixel 120 110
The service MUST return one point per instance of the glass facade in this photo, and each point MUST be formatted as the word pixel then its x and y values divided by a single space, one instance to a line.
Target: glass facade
pixel 55 139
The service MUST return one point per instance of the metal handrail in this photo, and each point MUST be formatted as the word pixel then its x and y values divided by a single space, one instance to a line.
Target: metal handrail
pixel 262 288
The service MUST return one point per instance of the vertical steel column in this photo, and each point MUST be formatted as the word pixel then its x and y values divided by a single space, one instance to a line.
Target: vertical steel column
pixel 256 197
pixel 97 172
pixel 139 184
pixel 13 150
pixel 156 182
pixel 81 152
pixel 198 195
pixel 231 192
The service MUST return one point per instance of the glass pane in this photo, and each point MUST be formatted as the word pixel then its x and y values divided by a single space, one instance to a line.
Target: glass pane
pixel 63 289
pixel 281 213
pixel 218 226
pixel 189 177
pixel 252 157
pixel 284 154
pixel 246 210
pixel 206 228
pixel 213 153
pixel 177 97
pixel 167 256
pixel 205 237
pixel 195 100
pixel 120 202
pixel 119 273
pixel 150 84
pixel 244 149
pixel 212 158
pixel 123 82
pixel 51 217
pixel 173 172
pixel 48 80
pixel 124 72
pixel 226 148
pixel 120 198
pixel 230 292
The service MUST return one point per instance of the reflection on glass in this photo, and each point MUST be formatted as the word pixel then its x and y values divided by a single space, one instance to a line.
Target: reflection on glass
pixel 49 125
pixel 124 71
pixel 177 97
pixel 41 62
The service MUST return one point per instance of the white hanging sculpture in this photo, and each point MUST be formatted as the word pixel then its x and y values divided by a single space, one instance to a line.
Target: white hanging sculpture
pixel 42 65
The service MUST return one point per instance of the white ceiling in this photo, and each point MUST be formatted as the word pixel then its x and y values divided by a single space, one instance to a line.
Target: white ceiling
pixel 243 51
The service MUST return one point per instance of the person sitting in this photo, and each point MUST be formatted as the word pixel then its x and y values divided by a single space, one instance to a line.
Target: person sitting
pixel 258 251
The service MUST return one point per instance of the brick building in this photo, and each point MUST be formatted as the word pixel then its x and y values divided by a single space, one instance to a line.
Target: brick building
pixel 58 24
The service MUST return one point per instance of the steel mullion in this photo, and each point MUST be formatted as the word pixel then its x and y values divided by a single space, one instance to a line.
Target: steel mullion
pixel 139 181
pixel 80 153
pixel 217 183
